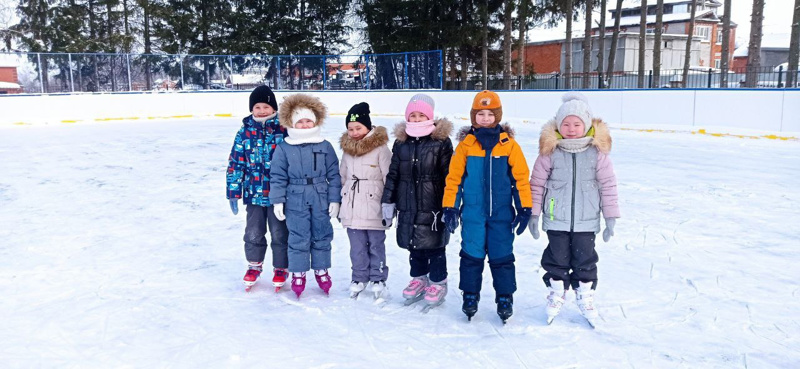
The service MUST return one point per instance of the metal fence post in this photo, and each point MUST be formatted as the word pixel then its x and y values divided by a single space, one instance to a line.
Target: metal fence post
pixel 441 70
pixel 41 81
pixel 709 76
pixel 230 73
pixel 367 71
pixel 405 71
pixel 324 72
pixel 128 60
pixel 183 84
pixel 650 79
pixel 558 78
pixel 71 81
pixel 780 76
pixel 278 85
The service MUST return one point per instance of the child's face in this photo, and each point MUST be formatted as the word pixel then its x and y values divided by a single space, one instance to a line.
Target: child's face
pixel 572 127
pixel 356 130
pixel 484 118
pixel 304 123
pixel 417 117
pixel 261 110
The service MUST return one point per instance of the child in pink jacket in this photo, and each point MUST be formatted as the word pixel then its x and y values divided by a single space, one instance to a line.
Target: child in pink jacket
pixel 572 181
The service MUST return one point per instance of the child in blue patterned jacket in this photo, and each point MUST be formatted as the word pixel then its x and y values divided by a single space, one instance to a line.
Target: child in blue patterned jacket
pixel 248 178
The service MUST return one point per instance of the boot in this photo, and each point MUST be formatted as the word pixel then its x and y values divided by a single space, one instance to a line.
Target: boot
pixel 252 274
pixel 584 296
pixel 555 300
pixel 470 305
pixel 435 293
pixel 323 280
pixel 279 278
pixel 416 289
pixel 298 283
pixel 505 306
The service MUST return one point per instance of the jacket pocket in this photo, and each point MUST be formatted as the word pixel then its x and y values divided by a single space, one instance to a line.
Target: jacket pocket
pixel 590 207
pixel 319 160
pixel 373 205
pixel 295 198
pixel 554 199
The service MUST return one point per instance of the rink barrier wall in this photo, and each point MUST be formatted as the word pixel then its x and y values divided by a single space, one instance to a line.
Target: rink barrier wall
pixel 723 112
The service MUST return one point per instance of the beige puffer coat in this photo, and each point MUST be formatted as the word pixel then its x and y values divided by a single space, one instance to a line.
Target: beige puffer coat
pixel 363 168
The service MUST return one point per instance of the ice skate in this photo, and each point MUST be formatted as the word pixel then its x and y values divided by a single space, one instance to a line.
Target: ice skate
pixel 378 289
pixel 555 300
pixel 505 307
pixel 298 283
pixel 279 278
pixel 415 290
pixel 470 305
pixel 356 288
pixel 251 276
pixel 434 295
pixel 323 280
pixel 585 298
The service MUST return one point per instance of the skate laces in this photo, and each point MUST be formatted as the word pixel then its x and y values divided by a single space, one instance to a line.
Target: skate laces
pixel 280 272
pixel 434 289
pixel 414 285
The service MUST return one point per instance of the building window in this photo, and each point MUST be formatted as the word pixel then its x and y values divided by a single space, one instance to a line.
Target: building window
pixel 703 32
pixel 680 8
pixel 719 36
pixel 716 63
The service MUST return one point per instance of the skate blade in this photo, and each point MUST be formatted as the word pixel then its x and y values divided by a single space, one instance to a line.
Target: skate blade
pixel 277 289
pixel 550 320
pixel 592 323
pixel 354 295
pixel 410 301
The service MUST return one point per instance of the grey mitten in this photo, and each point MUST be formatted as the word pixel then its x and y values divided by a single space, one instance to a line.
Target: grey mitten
pixel 387 211
pixel 234 206
pixel 533 226
pixel 609 231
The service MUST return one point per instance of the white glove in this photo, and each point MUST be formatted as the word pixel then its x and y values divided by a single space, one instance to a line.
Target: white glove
pixel 609 231
pixel 278 209
pixel 533 226
pixel 333 209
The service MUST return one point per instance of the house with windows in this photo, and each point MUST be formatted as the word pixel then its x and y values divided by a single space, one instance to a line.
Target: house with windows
pixel 706 48
pixel 9 80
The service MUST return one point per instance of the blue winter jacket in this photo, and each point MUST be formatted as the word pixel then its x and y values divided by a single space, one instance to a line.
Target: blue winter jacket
pixel 250 160
pixel 306 175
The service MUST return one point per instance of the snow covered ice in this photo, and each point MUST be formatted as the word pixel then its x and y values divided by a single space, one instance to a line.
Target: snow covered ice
pixel 118 249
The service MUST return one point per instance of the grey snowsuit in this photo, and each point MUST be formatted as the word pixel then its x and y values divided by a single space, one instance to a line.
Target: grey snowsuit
pixel 305 177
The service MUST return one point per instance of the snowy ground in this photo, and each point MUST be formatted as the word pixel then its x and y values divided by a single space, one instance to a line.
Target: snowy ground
pixel 117 249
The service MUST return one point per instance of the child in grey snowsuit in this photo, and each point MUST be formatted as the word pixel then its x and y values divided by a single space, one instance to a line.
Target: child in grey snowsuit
pixel 364 166
pixel 249 174
pixel 306 189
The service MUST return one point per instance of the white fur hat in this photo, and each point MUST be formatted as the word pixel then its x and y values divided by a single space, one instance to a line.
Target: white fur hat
pixel 575 103
pixel 301 113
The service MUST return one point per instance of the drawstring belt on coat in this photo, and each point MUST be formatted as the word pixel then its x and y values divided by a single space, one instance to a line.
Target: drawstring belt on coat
pixel 435 217
pixel 355 187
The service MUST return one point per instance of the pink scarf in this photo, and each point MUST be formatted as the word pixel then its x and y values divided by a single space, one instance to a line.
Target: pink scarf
pixel 420 129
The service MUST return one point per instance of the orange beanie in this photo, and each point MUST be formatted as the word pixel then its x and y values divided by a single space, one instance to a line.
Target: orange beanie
pixel 487 100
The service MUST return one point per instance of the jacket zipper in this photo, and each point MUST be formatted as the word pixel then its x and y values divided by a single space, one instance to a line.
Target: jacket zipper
pixel 315 162
pixel 574 175
pixel 490 185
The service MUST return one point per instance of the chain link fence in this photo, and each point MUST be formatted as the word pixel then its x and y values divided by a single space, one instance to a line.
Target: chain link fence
pixel 103 72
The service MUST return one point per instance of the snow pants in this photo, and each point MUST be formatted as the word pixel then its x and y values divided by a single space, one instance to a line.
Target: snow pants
pixel 431 262
pixel 570 257
pixel 368 255
pixel 259 219
pixel 482 236
pixel 310 235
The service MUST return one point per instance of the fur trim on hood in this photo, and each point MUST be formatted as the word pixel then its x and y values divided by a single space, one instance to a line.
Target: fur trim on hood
pixel 464 131
pixel 548 141
pixel 443 130
pixel 376 138
pixel 292 102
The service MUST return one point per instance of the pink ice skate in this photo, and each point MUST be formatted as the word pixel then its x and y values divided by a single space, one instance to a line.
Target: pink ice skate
pixel 323 279
pixel 298 283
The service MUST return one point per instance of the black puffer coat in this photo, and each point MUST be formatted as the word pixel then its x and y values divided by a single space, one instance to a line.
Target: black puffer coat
pixel 415 183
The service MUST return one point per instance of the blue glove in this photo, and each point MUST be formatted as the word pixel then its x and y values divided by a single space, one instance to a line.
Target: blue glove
pixel 521 220
pixel 234 206
pixel 451 219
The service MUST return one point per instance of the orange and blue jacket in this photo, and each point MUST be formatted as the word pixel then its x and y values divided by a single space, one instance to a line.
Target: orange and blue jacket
pixel 488 190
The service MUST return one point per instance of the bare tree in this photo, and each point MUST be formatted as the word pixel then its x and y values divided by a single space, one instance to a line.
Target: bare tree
pixel 507 41
pixel 568 48
pixel 601 44
pixel 754 48
pixel 612 54
pixel 687 56
pixel 724 64
pixel 587 45
pixel 794 47
pixel 657 44
pixel 642 43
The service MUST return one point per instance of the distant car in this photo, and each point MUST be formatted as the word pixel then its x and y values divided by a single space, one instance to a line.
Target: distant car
pixel 217 86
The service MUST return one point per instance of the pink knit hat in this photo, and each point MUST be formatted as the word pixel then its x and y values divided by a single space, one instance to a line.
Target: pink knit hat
pixel 421 103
